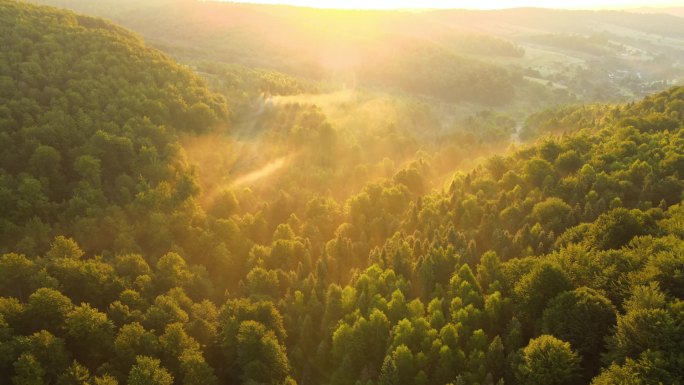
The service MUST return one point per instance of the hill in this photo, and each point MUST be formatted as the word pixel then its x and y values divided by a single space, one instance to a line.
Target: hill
pixel 593 55
pixel 90 122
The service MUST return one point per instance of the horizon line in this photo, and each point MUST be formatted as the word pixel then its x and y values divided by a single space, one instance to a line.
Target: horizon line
pixel 522 5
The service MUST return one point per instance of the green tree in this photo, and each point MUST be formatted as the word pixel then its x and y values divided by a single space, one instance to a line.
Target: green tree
pixel 47 309
pixel 568 162
pixel 537 170
pixel 89 169
pixel 76 374
pixel 17 275
pixel 582 317
pixel 173 343
pixel 650 368
pixel 131 266
pixel 553 214
pixel 63 247
pixel 164 311
pixel 172 271
pixel 399 367
pixel 196 371
pixel 203 325
pixel 45 162
pixel 536 288
pixel 548 360
pixel 49 351
pixel 647 324
pixel 131 341
pixel 148 371
pixel 262 283
pixel 615 229
pixel 6 346
pixel 28 371
pixel 90 335
pixel 260 356
pixel 104 380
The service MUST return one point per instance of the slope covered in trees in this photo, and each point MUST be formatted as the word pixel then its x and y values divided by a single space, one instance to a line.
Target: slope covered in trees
pixel 558 263
pixel 90 118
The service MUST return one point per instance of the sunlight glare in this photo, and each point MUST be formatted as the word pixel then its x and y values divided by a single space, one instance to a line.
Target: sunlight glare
pixel 469 4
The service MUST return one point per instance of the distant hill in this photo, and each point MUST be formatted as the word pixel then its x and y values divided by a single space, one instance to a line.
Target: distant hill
pixel 676 11
pixel 496 53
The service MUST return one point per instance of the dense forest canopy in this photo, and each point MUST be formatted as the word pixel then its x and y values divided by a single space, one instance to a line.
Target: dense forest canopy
pixel 137 250
pixel 90 122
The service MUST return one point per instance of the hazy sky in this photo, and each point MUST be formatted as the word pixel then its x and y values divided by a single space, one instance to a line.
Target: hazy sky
pixel 478 4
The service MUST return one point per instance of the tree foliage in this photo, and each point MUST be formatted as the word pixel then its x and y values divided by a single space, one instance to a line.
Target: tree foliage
pixel 558 262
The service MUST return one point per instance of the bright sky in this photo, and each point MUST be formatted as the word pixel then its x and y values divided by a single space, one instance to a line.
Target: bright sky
pixel 470 4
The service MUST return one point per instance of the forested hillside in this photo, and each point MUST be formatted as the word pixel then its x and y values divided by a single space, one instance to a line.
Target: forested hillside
pixel 89 119
pixel 559 262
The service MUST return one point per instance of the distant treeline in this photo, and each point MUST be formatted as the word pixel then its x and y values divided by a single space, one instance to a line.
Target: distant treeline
pixel 429 69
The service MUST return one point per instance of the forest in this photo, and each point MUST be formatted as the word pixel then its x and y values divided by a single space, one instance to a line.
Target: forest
pixel 216 223
pixel 546 56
